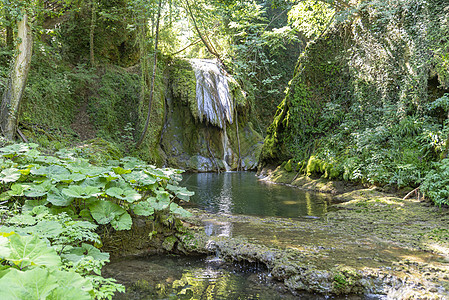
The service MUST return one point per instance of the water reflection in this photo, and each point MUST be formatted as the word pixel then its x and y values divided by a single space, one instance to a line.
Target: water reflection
pixel 243 193
pixel 164 277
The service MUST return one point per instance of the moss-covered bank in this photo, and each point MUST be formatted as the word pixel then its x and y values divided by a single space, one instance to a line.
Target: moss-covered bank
pixel 363 102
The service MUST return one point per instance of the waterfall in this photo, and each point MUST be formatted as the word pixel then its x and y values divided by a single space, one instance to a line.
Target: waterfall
pixel 212 93
pixel 213 98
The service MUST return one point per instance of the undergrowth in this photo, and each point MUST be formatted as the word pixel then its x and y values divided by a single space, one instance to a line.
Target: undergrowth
pixel 51 207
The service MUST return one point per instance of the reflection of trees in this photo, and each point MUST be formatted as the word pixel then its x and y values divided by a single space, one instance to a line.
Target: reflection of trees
pixel 204 283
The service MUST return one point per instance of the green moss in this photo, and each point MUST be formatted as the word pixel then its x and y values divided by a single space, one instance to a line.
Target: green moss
pixel 99 151
pixel 288 166
pixel 183 84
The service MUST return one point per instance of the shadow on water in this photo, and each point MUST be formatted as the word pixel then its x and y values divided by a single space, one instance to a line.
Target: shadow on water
pixel 244 193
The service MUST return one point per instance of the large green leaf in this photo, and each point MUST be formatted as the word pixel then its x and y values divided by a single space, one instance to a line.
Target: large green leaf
pixel 79 166
pixel 96 171
pixel 104 211
pixel 54 172
pixel 46 229
pixel 50 160
pixel 10 175
pixel 68 292
pixel 129 194
pixel 83 192
pixel 38 190
pixel 30 250
pixel 143 208
pixel 162 200
pixel 120 171
pixel 140 178
pixel 176 209
pixel 122 222
pixel 56 197
pixel 131 162
pixel 157 173
pixel 17 189
pixel 180 192
pixel 23 219
pixel 16 149
pixel 5 250
pixel 98 182
pixel 32 284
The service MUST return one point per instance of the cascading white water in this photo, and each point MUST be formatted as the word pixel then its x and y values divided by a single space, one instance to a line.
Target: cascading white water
pixel 213 98
pixel 212 92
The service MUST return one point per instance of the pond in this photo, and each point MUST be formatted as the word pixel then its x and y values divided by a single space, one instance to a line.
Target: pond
pixel 244 193
pixel 226 194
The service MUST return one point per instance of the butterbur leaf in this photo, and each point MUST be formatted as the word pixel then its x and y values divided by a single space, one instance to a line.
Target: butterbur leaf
pixel 143 208
pixel 17 189
pixel 96 171
pixel 140 178
pixel 30 250
pixel 83 192
pixel 10 175
pixel 131 162
pixel 180 192
pixel 56 197
pixel 5 250
pixel 32 284
pixel 23 219
pixel 75 254
pixel 47 229
pixel 129 195
pixel 70 286
pixel 97 182
pixel 176 209
pixel 120 171
pixel 104 211
pixel 122 222
pixel 50 160
pixel 157 173
pixel 55 172
pixel 38 190
pixel 31 204
pixel 161 202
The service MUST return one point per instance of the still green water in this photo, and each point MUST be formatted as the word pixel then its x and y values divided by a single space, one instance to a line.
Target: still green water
pixel 174 277
pixel 244 193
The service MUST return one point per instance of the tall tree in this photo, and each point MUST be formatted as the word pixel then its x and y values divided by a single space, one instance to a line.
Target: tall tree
pixel 153 77
pixel 13 94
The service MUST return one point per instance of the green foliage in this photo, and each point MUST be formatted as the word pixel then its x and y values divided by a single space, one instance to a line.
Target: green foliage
pixel 311 17
pixel 365 115
pixel 50 249
pixel 113 107
pixel 46 257
pixel 49 95
pixel 72 183
pixel 436 183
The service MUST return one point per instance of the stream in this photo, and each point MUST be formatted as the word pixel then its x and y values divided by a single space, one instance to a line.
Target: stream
pixel 238 205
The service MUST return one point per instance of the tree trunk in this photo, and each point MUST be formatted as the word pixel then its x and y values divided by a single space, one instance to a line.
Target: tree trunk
pixel 93 21
pixel 9 30
pixel 12 96
pixel 153 78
